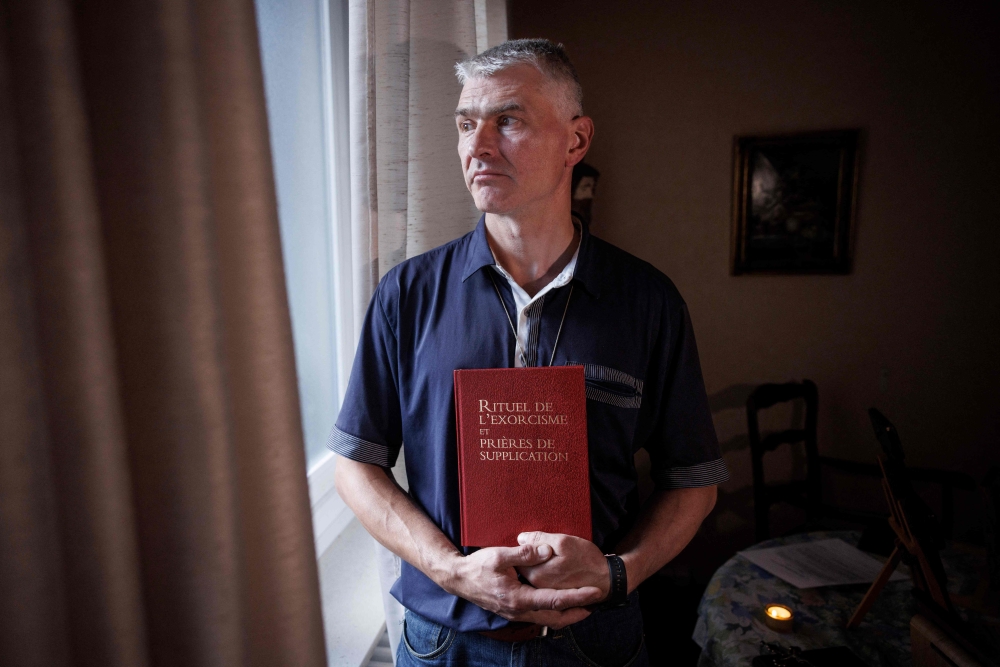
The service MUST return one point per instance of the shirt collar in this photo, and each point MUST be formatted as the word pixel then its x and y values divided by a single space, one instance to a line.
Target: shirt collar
pixel 587 262
pixel 478 254
pixel 564 277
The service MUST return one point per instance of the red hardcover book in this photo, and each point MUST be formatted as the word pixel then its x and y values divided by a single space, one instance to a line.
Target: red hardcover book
pixel 522 453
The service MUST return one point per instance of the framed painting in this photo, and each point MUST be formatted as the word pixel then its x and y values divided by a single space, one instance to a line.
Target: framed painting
pixel 794 200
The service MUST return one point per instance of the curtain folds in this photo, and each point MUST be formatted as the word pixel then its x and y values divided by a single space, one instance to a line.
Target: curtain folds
pixel 153 500
pixel 408 194
pixel 407 190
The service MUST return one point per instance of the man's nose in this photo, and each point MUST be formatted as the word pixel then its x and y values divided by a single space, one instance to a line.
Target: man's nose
pixel 483 142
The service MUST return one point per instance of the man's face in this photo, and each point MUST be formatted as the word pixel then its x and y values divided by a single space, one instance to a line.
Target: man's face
pixel 516 139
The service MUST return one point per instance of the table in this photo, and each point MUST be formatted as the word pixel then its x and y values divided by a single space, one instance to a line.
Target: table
pixel 731 625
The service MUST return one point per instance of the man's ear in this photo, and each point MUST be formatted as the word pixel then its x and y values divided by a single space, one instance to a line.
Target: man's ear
pixel 582 135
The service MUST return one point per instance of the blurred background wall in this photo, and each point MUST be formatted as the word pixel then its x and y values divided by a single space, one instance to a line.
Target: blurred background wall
pixel 913 329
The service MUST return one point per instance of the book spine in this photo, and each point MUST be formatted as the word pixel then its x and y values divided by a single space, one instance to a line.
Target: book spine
pixel 461 461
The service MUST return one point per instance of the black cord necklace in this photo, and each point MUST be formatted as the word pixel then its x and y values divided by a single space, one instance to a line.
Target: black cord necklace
pixel 517 344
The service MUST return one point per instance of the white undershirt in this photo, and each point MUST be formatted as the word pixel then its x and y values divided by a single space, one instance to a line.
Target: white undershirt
pixel 522 301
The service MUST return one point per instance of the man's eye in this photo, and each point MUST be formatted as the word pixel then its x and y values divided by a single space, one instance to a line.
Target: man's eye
pixel 465 126
pixel 505 120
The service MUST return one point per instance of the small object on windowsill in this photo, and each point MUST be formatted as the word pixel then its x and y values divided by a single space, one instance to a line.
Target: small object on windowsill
pixel 779 617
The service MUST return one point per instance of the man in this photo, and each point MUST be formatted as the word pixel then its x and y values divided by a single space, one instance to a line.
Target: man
pixel 528 287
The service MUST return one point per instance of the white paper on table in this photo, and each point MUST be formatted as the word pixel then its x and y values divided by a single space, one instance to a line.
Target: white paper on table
pixel 830 562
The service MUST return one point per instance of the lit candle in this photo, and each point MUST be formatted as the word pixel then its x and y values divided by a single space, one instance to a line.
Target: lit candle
pixel 778 617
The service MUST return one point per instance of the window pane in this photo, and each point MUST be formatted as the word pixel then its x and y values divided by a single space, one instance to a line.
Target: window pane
pixel 292 53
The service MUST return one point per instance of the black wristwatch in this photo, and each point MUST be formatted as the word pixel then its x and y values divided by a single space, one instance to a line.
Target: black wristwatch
pixel 618 596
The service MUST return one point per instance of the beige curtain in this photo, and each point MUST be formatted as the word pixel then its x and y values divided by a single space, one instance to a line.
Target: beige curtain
pixel 407 190
pixel 153 500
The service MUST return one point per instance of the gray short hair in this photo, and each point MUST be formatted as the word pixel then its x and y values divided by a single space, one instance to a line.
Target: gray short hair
pixel 548 57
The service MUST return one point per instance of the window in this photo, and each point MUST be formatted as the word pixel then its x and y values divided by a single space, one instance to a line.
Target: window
pixel 304 52
pixel 304 55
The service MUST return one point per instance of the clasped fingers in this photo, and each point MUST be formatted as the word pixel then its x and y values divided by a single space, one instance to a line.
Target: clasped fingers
pixel 516 602
pixel 553 599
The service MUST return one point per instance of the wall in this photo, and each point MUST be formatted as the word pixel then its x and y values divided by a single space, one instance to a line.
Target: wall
pixel 670 84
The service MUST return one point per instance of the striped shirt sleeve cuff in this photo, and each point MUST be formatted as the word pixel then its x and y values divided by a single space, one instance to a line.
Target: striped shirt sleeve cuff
pixel 686 477
pixel 362 451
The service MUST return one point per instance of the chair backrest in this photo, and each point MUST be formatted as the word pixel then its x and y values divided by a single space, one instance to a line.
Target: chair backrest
pixel 766 396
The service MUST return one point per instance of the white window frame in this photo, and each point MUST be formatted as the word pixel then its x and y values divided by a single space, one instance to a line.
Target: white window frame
pixel 331 516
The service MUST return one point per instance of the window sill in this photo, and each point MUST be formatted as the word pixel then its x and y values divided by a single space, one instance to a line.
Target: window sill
pixel 353 616
pixel 330 514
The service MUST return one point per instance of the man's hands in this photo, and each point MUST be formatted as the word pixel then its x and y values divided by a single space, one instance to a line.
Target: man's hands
pixel 567 576
pixel 576 563
pixel 488 578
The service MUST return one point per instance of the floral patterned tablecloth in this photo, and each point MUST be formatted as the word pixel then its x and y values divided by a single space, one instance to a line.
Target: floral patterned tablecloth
pixel 731 622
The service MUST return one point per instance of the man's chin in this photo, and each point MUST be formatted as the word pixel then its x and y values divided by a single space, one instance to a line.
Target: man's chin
pixel 494 204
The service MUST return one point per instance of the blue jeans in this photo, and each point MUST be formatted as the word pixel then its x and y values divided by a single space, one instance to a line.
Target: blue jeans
pixel 606 638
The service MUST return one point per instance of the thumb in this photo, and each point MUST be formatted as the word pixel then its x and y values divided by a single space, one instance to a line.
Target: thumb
pixel 533 537
pixel 527 554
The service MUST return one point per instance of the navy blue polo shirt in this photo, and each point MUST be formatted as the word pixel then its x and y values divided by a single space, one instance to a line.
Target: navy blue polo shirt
pixel 626 324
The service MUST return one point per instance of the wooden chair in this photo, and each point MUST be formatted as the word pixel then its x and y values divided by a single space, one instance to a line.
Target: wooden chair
pixel 808 493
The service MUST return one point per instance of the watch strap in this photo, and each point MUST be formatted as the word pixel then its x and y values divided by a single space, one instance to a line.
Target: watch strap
pixel 618 595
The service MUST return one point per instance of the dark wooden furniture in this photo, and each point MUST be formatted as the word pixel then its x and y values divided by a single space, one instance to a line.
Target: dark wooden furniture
pixel 918 536
pixel 808 493
pixel 919 541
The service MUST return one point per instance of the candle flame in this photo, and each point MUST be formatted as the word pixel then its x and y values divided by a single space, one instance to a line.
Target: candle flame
pixel 780 613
